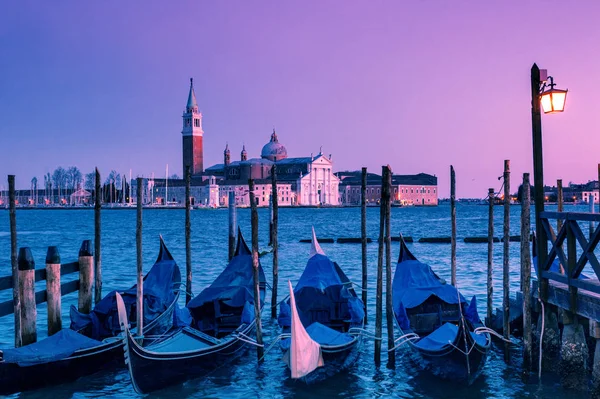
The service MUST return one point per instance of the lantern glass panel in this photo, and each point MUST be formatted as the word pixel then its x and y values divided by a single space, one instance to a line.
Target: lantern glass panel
pixel 558 101
pixel 547 102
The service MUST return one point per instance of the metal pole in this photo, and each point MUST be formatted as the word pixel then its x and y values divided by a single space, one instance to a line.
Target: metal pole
pixel 538 175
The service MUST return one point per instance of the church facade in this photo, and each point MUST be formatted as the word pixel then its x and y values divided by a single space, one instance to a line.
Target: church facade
pixel 307 181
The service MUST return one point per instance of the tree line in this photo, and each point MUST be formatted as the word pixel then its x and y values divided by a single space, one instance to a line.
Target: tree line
pixel 63 182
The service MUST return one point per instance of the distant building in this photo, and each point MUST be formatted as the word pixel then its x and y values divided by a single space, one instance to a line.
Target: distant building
pixel 301 181
pixel 192 135
pixel 419 189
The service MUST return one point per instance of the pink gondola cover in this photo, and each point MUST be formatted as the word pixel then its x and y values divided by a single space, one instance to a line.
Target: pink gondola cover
pixel 304 354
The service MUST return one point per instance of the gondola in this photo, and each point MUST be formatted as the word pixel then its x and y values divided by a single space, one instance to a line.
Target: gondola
pixel 69 354
pixel 323 321
pixel 443 332
pixel 222 324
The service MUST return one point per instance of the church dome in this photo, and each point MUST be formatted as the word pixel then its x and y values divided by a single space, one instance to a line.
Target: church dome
pixel 273 150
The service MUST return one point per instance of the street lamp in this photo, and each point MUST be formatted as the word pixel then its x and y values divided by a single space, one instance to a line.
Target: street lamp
pixel 553 100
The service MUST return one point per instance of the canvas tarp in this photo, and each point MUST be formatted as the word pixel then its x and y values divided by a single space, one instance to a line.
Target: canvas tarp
pixel 160 287
pixel 304 354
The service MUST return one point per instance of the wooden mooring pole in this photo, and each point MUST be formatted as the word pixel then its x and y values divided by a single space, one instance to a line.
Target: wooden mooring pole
pixel 86 277
pixel 389 307
pixel 53 290
pixel 27 294
pixel 363 236
pixel 97 238
pixel 254 223
pixel 13 259
pixel 140 264
pixel 188 236
pixel 526 273
pixel 232 224
pixel 490 257
pixel 453 223
pixel 275 241
pixel 505 261
pixel 379 292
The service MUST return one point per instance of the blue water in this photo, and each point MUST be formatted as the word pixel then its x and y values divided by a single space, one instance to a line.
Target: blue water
pixel 39 229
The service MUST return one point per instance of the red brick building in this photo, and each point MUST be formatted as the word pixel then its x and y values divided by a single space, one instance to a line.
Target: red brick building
pixel 419 189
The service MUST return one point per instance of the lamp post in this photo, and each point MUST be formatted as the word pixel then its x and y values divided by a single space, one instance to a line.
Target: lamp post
pixel 552 100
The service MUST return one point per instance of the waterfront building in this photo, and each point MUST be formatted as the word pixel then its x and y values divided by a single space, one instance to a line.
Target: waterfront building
pixel 420 189
pixel 301 181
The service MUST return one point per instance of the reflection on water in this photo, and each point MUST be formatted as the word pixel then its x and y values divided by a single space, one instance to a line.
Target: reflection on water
pixel 39 229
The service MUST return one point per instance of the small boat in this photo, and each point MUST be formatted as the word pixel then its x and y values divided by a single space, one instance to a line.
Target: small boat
pixel 222 322
pixel 69 354
pixel 444 333
pixel 323 321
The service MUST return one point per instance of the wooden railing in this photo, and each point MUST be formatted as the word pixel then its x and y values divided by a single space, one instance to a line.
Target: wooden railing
pixel 6 283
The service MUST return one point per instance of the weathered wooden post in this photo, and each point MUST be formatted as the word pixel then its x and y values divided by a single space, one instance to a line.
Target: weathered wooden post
pixel 86 277
pixel 275 240
pixel 379 292
pixel 254 222
pixel 270 220
pixel 389 307
pixel 188 235
pixel 53 290
pixel 27 294
pixel 97 238
pixel 232 224
pixel 592 210
pixel 595 333
pixel 526 273
pixel 140 264
pixel 363 236
pixel 14 260
pixel 573 352
pixel 453 222
pixel 505 261
pixel 490 257
pixel 560 208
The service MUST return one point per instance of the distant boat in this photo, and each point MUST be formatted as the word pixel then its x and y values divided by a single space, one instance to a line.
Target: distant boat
pixel 443 332
pixel 222 322
pixel 323 321
pixel 69 354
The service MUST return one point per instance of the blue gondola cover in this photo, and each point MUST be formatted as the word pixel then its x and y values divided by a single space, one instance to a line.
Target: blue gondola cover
pixel 160 286
pixel 58 346
pixel 235 285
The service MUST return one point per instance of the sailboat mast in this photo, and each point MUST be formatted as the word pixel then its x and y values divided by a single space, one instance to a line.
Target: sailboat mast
pixel 167 185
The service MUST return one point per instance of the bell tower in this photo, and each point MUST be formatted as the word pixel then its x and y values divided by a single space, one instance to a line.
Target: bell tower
pixel 192 135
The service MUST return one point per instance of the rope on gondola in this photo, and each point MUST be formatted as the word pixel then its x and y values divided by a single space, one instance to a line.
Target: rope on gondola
pixel 356 286
pixel 277 339
pixel 282 301
pixel 363 332
pixel 244 338
pixel 487 330
pixel 404 339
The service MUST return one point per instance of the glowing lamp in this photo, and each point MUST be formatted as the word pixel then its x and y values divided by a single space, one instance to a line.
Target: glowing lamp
pixel 553 100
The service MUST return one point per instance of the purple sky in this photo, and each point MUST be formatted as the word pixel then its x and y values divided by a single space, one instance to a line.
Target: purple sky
pixel 416 84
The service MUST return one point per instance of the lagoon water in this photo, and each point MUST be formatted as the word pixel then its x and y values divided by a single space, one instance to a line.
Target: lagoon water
pixel 39 229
